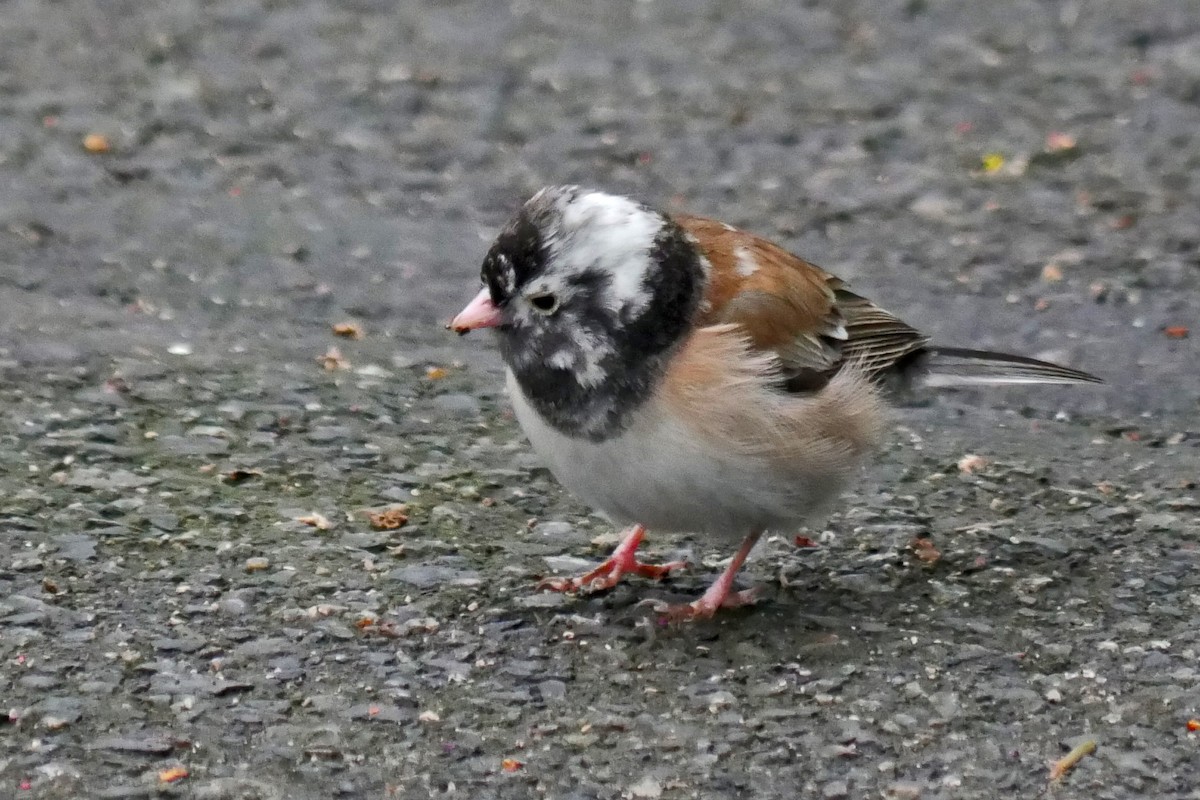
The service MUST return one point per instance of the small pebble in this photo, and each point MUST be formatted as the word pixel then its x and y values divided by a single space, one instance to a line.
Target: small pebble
pixel 646 789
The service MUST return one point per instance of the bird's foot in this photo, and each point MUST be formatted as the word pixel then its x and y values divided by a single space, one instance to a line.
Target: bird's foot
pixel 703 608
pixel 623 561
pixel 719 595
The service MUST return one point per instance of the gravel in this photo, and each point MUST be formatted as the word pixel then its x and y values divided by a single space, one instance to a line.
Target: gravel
pixel 193 600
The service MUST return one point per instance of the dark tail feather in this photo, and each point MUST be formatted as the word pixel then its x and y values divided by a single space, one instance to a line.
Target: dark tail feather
pixel 954 366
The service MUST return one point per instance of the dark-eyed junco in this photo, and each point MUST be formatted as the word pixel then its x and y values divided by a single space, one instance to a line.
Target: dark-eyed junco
pixel 683 375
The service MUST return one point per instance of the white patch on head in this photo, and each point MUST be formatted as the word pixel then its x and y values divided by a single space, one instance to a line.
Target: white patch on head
pixel 746 265
pixel 610 234
pixel 561 359
pixel 505 273
pixel 591 350
pixel 582 358
pixel 728 227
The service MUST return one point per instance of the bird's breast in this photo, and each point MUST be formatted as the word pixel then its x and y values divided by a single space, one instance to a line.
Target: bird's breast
pixel 657 472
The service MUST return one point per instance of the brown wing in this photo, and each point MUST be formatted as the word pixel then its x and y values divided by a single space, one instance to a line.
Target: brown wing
pixel 806 316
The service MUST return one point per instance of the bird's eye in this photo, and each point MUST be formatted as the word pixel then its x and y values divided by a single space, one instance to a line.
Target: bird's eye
pixel 544 302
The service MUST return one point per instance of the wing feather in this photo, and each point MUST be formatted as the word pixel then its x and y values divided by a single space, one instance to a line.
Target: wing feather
pixel 799 312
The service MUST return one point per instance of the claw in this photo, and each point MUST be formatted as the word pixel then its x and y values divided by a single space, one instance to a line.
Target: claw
pixel 623 561
pixel 703 608
pixel 719 595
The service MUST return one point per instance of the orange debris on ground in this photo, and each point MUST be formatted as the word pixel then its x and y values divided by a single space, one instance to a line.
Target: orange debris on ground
pixel 96 143
pixel 1065 764
pixel 389 519
pixel 348 330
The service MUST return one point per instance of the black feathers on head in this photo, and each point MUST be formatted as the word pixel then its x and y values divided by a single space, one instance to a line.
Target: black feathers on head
pixel 513 259
pixel 600 356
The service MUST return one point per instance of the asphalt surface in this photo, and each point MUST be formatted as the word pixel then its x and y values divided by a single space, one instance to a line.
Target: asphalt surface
pixel 189 579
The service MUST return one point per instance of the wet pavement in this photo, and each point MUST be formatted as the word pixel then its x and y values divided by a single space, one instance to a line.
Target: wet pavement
pixel 191 580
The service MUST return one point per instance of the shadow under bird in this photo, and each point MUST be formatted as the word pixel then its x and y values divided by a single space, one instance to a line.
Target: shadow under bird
pixel 680 374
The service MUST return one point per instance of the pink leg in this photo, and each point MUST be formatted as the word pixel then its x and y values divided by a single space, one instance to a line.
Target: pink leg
pixel 622 561
pixel 719 595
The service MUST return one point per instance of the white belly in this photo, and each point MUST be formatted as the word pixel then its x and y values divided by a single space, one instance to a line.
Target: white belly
pixel 660 475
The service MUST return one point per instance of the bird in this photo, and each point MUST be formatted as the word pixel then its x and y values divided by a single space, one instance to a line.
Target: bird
pixel 680 374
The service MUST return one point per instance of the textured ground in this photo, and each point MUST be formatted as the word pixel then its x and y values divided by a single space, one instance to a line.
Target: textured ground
pixel 274 168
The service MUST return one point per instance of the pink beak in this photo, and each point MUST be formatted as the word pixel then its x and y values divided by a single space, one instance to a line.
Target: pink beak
pixel 479 313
